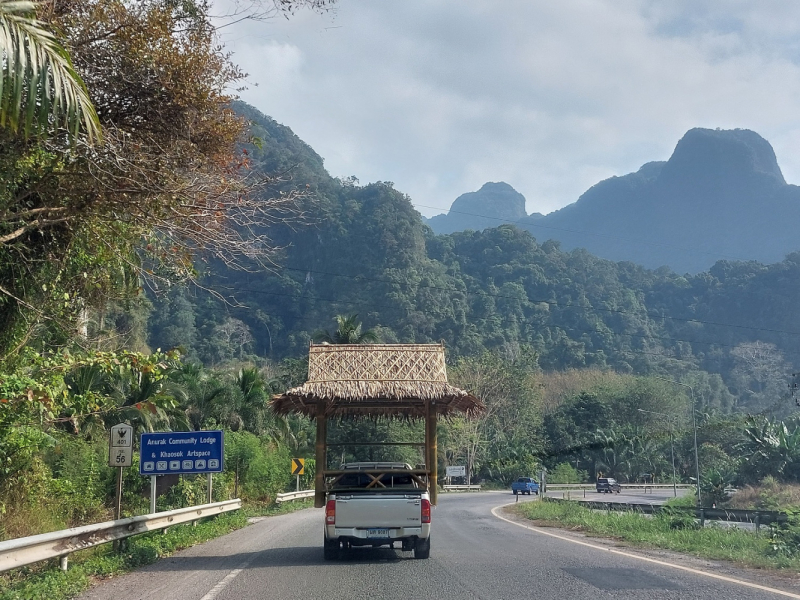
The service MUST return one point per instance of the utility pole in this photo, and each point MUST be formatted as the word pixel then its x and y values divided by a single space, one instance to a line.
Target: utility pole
pixel 671 445
pixel 694 423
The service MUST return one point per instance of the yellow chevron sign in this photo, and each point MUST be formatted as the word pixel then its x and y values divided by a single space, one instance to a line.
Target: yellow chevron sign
pixel 298 466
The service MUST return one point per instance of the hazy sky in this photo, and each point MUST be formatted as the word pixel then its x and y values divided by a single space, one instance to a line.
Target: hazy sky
pixel 551 97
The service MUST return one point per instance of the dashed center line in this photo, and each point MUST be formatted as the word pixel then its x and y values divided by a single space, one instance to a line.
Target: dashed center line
pixel 223 583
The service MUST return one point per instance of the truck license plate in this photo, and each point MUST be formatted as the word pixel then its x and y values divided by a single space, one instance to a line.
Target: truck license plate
pixel 377 533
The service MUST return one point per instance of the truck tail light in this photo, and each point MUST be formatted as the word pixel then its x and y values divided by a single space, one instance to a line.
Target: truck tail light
pixel 330 513
pixel 426 511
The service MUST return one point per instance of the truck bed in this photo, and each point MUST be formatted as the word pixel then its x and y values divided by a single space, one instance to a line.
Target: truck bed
pixel 385 508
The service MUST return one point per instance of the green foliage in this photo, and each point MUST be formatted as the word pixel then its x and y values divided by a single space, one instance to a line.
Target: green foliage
pixel 566 473
pixel 619 427
pixel 669 532
pixel 263 467
pixel 375 430
pixel 785 537
pixel 505 443
pixel 771 448
pixel 38 83
pixel 348 331
pixel 675 513
pixel 713 483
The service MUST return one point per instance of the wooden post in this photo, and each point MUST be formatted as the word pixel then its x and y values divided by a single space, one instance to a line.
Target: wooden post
pixel 321 456
pixel 432 453
pixel 117 545
pixel 426 455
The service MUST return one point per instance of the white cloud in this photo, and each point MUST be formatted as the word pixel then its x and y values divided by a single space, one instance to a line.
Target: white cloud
pixel 547 96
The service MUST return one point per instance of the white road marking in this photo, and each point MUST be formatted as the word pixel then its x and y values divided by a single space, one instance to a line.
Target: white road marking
pixel 223 583
pixel 645 559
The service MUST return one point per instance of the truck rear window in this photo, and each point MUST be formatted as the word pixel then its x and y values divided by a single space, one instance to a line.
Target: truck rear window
pixel 362 480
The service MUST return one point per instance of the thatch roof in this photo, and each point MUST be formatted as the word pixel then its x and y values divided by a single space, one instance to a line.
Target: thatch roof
pixel 392 380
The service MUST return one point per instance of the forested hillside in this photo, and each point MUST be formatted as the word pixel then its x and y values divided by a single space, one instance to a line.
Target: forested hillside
pixel 364 250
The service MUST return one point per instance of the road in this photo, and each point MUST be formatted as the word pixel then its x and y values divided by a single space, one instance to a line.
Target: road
pixel 475 555
pixel 627 496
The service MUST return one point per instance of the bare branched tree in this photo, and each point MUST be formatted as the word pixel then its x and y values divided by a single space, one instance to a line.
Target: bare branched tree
pixel 169 186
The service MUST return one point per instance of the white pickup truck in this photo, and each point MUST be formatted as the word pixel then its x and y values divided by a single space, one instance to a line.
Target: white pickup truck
pixel 377 504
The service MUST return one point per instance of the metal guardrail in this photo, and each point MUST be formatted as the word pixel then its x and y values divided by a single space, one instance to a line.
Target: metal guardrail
pixel 28 550
pixel 625 486
pixel 733 515
pixel 462 488
pixel 294 495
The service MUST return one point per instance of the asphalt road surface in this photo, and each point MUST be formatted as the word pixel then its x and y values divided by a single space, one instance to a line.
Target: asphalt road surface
pixel 626 496
pixel 475 554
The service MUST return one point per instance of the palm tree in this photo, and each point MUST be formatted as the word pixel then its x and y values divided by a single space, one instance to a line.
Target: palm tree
pixel 205 393
pixel 39 86
pixel 348 331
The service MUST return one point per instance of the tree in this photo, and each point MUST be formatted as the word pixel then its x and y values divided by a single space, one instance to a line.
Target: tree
pixel 505 441
pixel 40 90
pixel 348 331
pixel 760 375
pixel 169 187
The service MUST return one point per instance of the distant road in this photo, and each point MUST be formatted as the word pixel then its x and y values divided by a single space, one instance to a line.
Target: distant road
pixel 631 496
pixel 475 555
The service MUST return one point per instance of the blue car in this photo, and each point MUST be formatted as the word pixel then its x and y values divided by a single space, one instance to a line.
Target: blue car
pixel 525 485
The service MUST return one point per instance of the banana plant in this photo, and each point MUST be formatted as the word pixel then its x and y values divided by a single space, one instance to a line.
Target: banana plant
pixel 772 449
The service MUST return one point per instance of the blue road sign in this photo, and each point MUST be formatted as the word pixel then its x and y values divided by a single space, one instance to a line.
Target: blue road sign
pixel 166 453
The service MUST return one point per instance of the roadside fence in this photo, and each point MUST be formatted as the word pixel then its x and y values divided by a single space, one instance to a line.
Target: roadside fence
pixel 60 544
pixel 703 514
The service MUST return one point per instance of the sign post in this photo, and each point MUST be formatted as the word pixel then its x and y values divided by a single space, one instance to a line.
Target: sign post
pixel 298 468
pixel 120 455
pixel 184 452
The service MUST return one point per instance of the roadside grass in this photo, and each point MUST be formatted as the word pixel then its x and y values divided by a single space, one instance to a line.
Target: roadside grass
pixel 670 532
pixel 47 580
pixel 770 494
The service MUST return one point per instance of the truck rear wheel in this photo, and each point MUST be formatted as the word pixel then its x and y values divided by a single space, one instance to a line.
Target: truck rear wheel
pixel 330 549
pixel 422 548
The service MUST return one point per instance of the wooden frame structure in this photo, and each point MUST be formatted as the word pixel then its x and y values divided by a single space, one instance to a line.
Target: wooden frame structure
pixel 374 381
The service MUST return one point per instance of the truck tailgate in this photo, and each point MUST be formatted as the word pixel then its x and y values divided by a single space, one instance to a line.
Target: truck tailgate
pixel 379 510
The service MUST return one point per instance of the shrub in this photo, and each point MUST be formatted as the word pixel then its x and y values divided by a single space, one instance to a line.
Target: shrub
pixel 785 537
pixel 566 473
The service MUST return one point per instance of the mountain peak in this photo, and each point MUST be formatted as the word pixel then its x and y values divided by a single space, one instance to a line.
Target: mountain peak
pixel 493 200
pixel 714 155
pixel 491 206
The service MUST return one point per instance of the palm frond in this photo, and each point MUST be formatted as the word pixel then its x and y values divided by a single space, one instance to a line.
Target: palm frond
pixel 39 87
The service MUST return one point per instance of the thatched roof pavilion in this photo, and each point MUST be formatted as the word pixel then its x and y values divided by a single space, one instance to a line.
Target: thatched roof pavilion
pixel 389 380
pixel 376 380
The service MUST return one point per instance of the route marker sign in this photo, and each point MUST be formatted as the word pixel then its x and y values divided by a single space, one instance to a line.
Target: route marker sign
pixel 120 446
pixel 171 452
pixel 298 466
